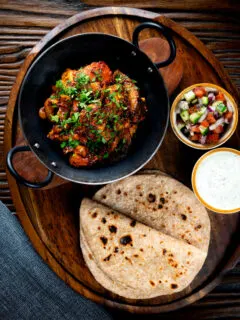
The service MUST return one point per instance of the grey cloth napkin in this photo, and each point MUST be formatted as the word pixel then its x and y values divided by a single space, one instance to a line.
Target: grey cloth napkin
pixel 29 289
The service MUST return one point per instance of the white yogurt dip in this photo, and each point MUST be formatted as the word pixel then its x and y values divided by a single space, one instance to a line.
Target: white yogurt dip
pixel 217 180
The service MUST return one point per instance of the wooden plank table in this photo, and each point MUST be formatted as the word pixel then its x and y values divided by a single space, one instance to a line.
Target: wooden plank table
pixel 23 23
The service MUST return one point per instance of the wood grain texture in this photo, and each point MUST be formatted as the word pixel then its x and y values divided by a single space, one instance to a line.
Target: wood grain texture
pixel 224 42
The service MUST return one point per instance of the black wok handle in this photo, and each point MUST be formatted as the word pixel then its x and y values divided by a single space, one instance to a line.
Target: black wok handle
pixel 166 34
pixel 20 179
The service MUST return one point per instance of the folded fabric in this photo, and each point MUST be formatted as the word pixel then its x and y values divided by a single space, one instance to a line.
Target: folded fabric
pixel 28 287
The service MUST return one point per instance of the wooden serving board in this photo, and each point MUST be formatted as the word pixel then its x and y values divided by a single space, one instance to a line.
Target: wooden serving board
pixel 50 217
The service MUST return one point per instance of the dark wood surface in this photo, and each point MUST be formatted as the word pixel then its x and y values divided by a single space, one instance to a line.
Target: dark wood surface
pixel 225 299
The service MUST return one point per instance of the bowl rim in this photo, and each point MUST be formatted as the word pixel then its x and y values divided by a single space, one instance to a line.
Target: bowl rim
pixel 193 180
pixel 227 134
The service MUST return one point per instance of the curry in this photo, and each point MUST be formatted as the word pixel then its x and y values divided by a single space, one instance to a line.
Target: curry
pixel 94 113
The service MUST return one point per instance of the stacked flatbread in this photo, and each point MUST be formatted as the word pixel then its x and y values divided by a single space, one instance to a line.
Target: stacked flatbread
pixel 144 236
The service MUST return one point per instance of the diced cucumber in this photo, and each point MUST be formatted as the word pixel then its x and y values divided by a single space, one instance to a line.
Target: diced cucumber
pixel 194 117
pixel 221 108
pixel 202 110
pixel 184 115
pixel 205 101
pixel 189 96
pixel 203 130
pixel 194 101
pixel 215 104
pixel 183 105
pixel 180 125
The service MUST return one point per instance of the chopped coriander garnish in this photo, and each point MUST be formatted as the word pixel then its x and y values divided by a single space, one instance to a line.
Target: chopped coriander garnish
pixel 55 118
pixel 104 140
pixel 63 144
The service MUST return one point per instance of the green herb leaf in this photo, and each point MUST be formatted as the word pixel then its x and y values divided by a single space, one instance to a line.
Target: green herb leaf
pixel 104 140
pixel 55 118
pixel 82 79
pixel 74 143
pixel 75 116
pixel 63 144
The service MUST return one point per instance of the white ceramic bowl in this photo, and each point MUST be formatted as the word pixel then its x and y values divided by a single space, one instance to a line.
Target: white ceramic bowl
pixel 216 180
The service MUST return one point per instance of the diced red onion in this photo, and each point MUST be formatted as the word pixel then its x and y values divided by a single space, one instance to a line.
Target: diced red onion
pixel 210 109
pixel 216 114
pixel 203 139
pixel 229 106
pixel 226 121
pixel 203 116
pixel 211 96
pixel 216 124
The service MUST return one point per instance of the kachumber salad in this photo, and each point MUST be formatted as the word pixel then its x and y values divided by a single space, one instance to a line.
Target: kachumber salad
pixel 203 115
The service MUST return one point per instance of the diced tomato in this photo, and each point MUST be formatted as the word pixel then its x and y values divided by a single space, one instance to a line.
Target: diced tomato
pixel 199 92
pixel 195 128
pixel 212 138
pixel 219 129
pixel 205 123
pixel 220 96
pixel 195 137
pixel 193 109
pixel 210 118
pixel 228 115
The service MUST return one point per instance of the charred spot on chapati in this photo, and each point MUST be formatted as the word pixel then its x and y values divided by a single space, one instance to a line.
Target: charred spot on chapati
pixel 107 258
pixel 94 215
pixel 90 256
pixel 136 255
pixel 164 251
pixel 104 220
pixel 112 229
pixel 152 283
pixel 174 286
pixel 160 206
pixel 141 249
pixel 133 223
pixel 104 196
pixel 125 240
pixel 151 197
pixel 162 200
pixel 116 249
pixel 129 260
pixel 118 191
pixel 198 227
pixel 104 240
pixel 125 193
pixel 184 217
pixel 138 186
pixel 140 194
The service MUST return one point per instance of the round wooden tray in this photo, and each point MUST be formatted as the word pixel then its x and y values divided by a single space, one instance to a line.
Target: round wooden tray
pixel 50 217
